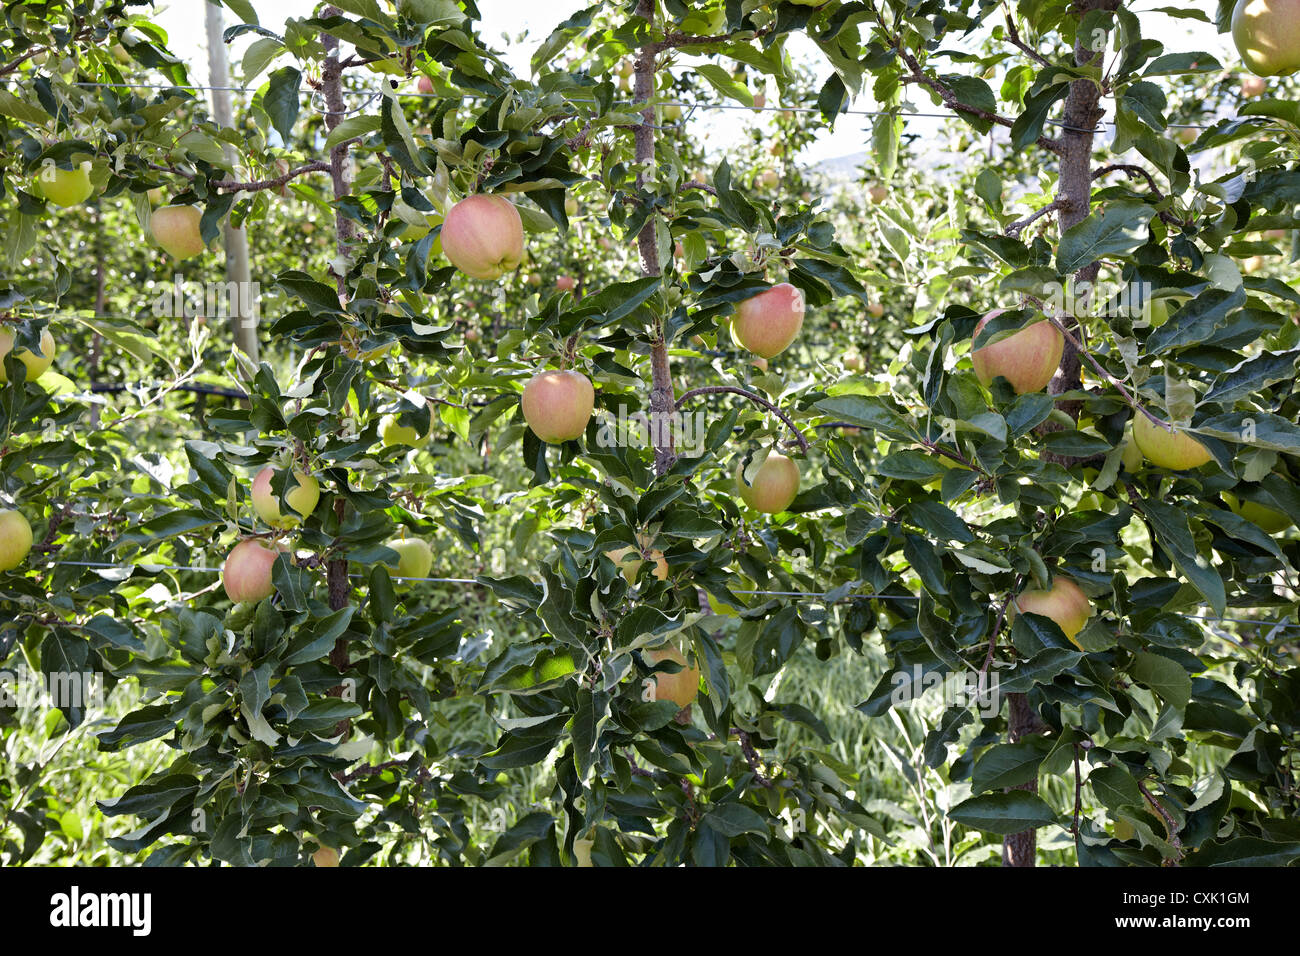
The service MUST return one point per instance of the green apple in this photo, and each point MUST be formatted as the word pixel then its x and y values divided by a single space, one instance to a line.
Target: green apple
pixel 15 539
pixel 415 557
pixel 65 187
pixel 37 363
pixel 1175 450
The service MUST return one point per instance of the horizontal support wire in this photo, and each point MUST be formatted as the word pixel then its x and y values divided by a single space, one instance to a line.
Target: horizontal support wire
pixel 820 595
pixel 695 106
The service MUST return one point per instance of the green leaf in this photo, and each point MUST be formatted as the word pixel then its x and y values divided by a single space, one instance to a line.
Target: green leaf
pixel 1167 678
pixel 1116 230
pixel 1004 813
pixel 283 99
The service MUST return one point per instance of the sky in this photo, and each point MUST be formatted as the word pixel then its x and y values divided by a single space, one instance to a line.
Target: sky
pixel 538 17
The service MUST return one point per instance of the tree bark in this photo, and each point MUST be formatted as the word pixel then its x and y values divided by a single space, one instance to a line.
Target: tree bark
pixel 243 325
pixel 336 570
pixel 663 405
pixel 1081 115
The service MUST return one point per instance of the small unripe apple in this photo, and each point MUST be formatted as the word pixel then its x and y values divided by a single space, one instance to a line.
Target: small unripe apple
pixel 878 193
pixel 246 574
pixel 767 323
pixel 566 283
pixel 415 557
pixel 1065 604
pixel 1267 35
pixel 176 229
pixel 15 539
pixel 875 310
pixel 424 85
pixel 1252 265
pixel 854 362
pixel 1268 520
pixel 672 112
pixel 626 68
pixel 769 179
pixel 393 432
pixel 471 336
pixel 155 195
pixel 681 688
pixel 326 856
pixel 582 847
pixel 775 485
pixel 1252 86
pixel 483 236
pixel 1130 455
pixel 1027 359
pixel 759 101
pixel 36 363
pixel 571 207
pixel 629 560
pixel 302 497
pixel 534 278
pixel 65 187
pixel 557 405
pixel 760 363
pixel 1175 450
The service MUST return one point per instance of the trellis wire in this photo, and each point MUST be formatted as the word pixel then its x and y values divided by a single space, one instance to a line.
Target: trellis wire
pixel 372 95
pixel 154 568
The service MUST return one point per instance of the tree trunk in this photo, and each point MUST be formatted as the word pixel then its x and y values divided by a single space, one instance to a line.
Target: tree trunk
pixel 1081 115
pixel 663 404
pixel 243 324
pixel 336 570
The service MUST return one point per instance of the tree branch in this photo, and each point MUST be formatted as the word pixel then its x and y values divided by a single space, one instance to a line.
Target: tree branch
pixel 1019 226
pixel 753 397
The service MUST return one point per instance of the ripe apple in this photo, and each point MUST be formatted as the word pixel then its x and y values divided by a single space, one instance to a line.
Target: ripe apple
pixel 1027 359
pixel 875 310
pixel 629 560
pixel 775 485
pixel 1268 520
pixel 326 856
pixel 1252 264
pixel 36 363
pixel 681 688
pixel 878 193
pixel 854 362
pixel 483 236
pixel 424 85
pixel 15 539
pixel 566 283
pixel 247 571
pixel 415 557
pixel 1252 86
pixel 1065 603
pixel 471 336
pixel 1267 34
pixel 302 497
pixel 534 278
pixel 557 405
pixel 1175 450
pixel 176 229
pixel 65 187
pixel 767 323
pixel 760 364
pixel 392 432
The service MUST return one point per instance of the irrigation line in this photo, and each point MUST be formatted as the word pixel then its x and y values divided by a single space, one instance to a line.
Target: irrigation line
pixel 154 568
